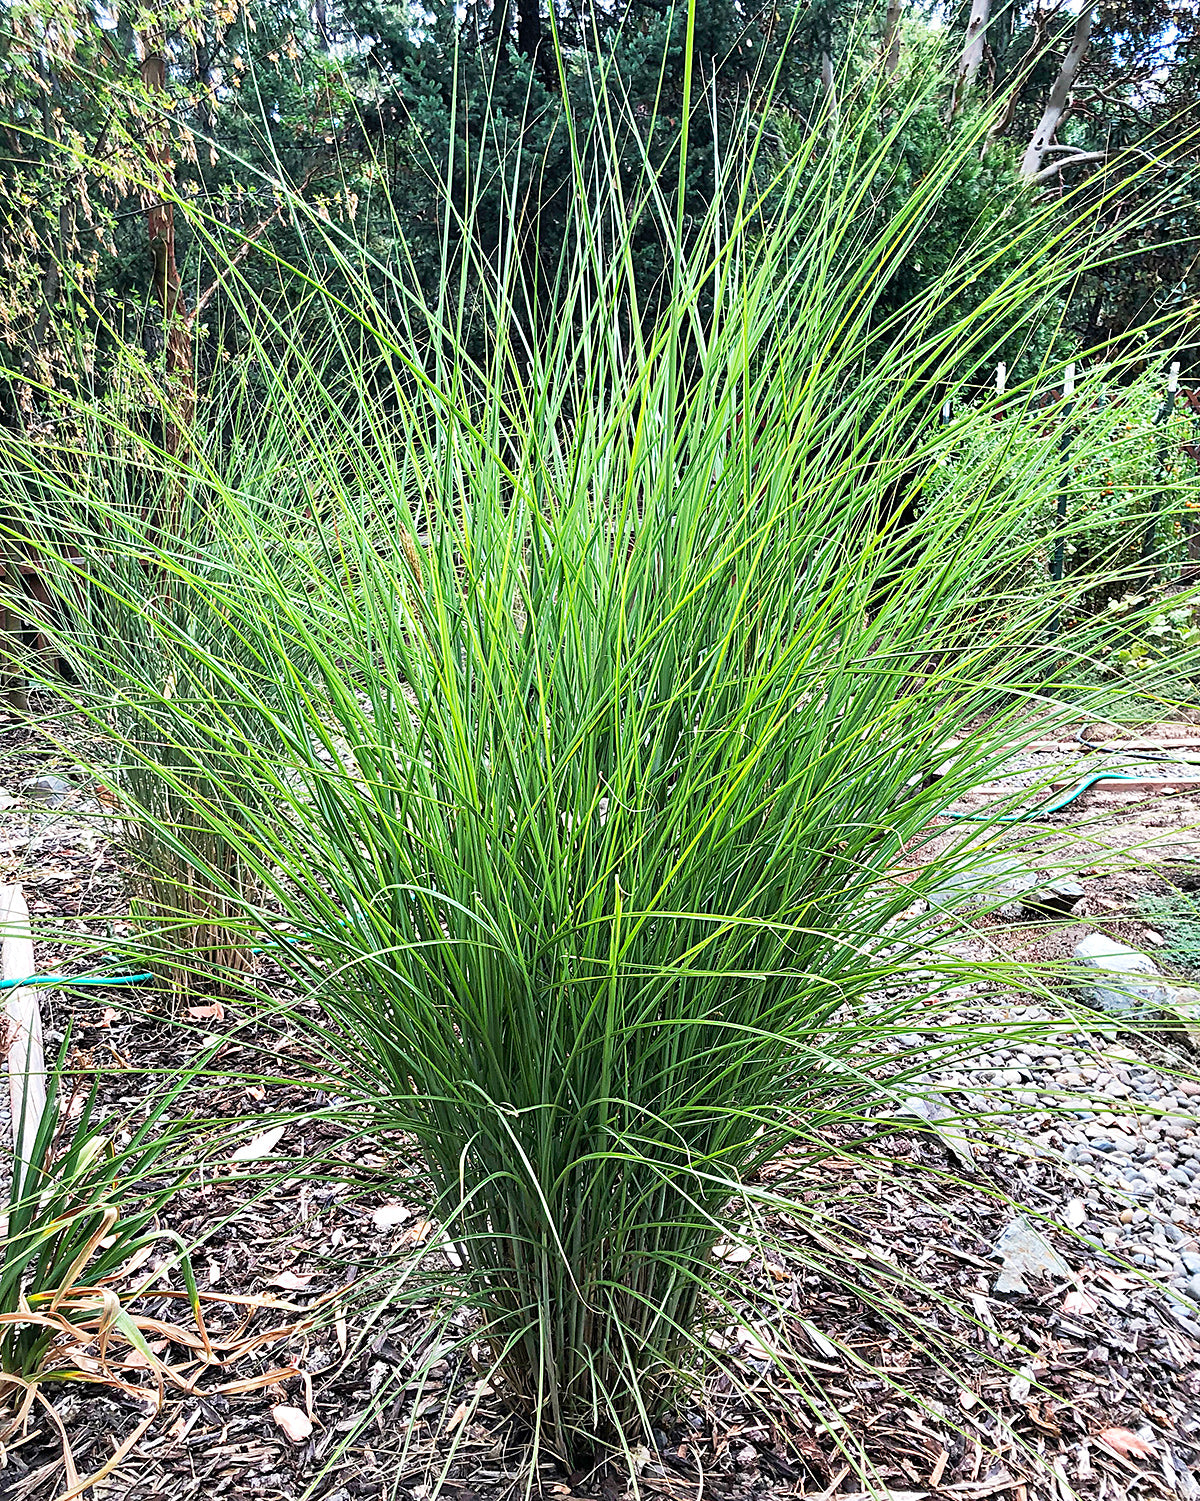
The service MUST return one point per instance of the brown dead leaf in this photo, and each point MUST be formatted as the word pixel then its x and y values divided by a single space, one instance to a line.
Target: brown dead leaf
pixel 135 1360
pixel 417 1233
pixel 1127 1444
pixel 254 1383
pixel 1118 1281
pixel 215 1012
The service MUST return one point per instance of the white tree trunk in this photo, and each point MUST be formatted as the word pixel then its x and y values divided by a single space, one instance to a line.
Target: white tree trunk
pixel 972 53
pixel 1056 104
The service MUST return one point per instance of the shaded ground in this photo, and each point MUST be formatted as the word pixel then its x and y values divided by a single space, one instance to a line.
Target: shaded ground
pixel 1101 1369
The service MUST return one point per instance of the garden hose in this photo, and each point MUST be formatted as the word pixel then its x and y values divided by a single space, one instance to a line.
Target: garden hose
pixel 72 980
pixel 1055 805
pixel 1134 755
pixel 75 980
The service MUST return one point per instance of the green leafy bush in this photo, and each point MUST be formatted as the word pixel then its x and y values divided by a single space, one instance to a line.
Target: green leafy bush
pixel 1178 917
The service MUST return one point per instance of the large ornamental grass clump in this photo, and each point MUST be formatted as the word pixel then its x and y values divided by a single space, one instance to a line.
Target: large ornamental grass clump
pixel 588 688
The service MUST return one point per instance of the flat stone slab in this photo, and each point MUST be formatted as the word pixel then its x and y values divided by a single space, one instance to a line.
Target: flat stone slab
pixel 1054 900
pixel 941 1120
pixel 997 879
pixel 1130 986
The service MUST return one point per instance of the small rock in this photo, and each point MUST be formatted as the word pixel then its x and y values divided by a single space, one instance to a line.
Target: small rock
pixel 1055 900
pixel 48 789
pixel 1182 1005
pixel 1075 1213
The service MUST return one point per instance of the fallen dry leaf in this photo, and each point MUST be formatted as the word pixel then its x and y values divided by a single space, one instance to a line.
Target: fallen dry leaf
pixel 215 1012
pixel 255 1383
pixel 293 1422
pixel 292 1282
pixel 1079 1302
pixel 1125 1443
pixel 417 1233
pixel 261 1145
pixel 388 1216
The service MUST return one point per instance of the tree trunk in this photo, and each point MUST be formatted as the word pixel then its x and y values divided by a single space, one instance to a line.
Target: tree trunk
pixel 529 28
pixel 160 223
pixel 829 83
pixel 891 37
pixel 1056 103
pixel 972 54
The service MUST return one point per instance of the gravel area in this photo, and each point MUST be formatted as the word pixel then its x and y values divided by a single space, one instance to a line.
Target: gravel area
pixel 1092 1120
